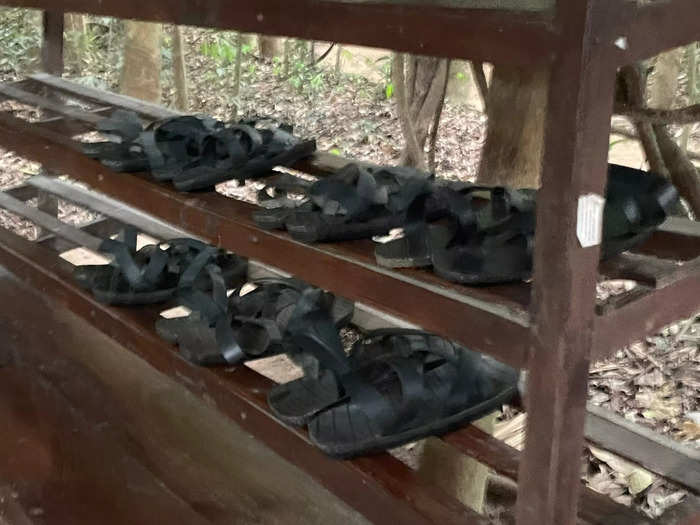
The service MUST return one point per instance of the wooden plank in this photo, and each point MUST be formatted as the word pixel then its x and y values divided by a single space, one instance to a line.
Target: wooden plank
pixel 366 317
pixel 54 107
pixel 52 47
pixel 145 109
pixel 645 269
pixel 653 27
pixel 646 315
pixel 102 228
pixel 653 451
pixel 49 223
pixel 55 461
pixel 681 226
pixel 23 192
pixel 375 486
pixel 595 508
pixel 580 103
pixel 672 245
pixel 426 29
pixel 496 322
pixel 107 206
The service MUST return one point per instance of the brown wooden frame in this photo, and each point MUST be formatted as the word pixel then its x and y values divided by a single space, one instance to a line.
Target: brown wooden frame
pixel 556 334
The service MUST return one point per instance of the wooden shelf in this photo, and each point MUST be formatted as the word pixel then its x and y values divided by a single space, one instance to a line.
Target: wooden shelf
pixel 240 394
pixel 580 45
pixel 493 319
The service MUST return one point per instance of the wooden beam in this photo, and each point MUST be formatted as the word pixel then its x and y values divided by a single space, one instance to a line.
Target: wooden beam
pixel 49 222
pixel 420 28
pixel 659 454
pixel 575 164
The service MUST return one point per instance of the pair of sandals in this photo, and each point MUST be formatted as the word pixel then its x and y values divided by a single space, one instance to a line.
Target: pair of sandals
pixel 490 240
pixel 155 273
pixel 247 325
pixel 356 202
pixel 196 153
pixel 396 386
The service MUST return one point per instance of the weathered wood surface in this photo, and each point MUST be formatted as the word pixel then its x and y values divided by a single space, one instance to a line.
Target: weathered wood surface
pixel 386 485
pixel 576 144
pixel 171 457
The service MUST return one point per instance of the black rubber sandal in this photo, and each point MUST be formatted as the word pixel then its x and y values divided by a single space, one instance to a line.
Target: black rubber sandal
pixel 276 204
pixel 296 402
pixel 248 327
pixel 176 143
pixel 151 274
pixel 413 248
pixel 636 203
pixel 122 152
pixel 355 203
pixel 242 152
pixel 395 400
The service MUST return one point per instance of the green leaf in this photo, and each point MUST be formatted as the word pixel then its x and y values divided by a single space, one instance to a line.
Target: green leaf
pixel 614 143
pixel 335 151
pixel 389 90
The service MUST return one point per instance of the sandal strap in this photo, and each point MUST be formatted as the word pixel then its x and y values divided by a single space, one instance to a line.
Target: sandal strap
pixel 211 306
pixel 196 265
pixel 123 123
pixel 138 277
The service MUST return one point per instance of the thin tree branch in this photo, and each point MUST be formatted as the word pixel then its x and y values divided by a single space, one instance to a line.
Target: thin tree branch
pixel 432 149
pixel 686 115
pixel 623 132
pixel 324 55
pixel 635 83
pixel 415 153
pixel 684 174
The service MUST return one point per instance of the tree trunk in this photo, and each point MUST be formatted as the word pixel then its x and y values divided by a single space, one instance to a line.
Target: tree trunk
pixel 664 155
pixel 180 70
pixel 663 89
pixel 420 84
pixel 142 61
pixel 237 74
pixel 75 23
pixel 517 109
pixel 269 46
pixel 74 27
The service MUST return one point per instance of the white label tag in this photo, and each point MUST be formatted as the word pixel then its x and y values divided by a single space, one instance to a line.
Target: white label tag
pixel 589 223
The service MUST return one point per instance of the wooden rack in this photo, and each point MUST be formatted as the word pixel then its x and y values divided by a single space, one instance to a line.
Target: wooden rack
pixel 552 327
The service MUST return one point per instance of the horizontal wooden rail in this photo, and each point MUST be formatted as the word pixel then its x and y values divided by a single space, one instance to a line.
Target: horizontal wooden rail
pixel 476 34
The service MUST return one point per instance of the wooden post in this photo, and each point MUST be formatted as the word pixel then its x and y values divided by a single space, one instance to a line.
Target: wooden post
pixel 52 47
pixel 581 92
